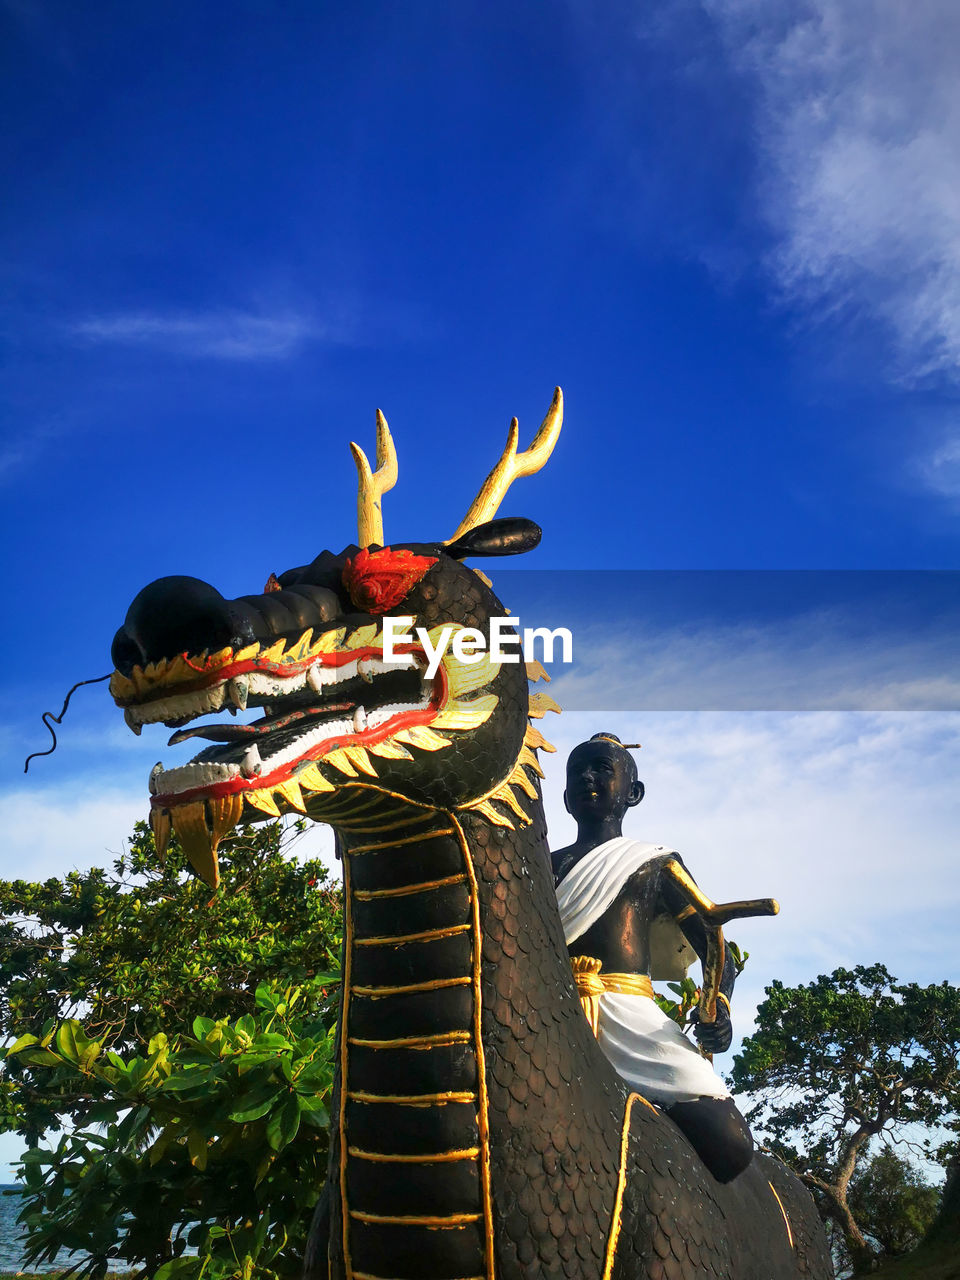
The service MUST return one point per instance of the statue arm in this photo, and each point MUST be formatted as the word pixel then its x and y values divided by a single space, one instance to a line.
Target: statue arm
pixel 717 1036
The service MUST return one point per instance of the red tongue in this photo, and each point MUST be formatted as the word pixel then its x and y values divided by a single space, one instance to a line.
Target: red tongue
pixel 244 732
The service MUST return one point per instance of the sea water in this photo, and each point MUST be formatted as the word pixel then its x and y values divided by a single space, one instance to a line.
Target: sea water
pixel 12 1236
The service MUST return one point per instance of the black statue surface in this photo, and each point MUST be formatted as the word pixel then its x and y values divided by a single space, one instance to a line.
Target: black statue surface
pixel 648 1049
pixel 478 1131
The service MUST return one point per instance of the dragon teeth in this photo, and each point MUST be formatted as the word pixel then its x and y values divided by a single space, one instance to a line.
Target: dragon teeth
pixel 155 773
pixel 239 690
pixel 132 722
pixel 359 719
pixel 251 766
pixel 200 773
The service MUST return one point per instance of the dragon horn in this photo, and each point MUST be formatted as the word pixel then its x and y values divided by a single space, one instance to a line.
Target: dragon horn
pixel 374 484
pixel 512 465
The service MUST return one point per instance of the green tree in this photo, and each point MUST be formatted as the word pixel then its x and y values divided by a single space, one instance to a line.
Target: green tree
pixel 184 1044
pixel 840 1062
pixel 216 1139
pixel 892 1202
pixel 144 949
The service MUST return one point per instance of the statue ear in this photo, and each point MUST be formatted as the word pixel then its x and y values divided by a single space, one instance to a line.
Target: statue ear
pixel 509 536
pixel 566 803
pixel 637 792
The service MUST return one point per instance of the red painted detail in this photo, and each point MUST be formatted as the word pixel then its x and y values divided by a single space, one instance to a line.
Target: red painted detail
pixel 403 720
pixel 378 580
pixel 280 669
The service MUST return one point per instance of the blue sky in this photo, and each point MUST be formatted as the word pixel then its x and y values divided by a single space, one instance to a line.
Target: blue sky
pixel 729 230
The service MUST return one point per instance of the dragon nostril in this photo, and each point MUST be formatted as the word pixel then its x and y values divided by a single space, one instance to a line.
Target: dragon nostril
pixel 125 652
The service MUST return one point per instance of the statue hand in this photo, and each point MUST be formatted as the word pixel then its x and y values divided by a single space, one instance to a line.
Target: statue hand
pixel 715 1037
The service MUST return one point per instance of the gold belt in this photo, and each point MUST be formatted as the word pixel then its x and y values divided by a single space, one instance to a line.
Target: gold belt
pixel 591 984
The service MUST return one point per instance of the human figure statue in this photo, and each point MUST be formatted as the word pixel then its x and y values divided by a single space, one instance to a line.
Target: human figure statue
pixel 613 897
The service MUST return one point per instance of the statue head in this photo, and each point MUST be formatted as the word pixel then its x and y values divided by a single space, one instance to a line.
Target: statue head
pixel 602 782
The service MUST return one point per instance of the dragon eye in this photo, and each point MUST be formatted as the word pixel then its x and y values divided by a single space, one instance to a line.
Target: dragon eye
pixel 378 580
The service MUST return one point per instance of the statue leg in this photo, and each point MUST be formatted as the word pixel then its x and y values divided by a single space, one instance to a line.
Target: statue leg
pixel 718 1133
pixel 315 1265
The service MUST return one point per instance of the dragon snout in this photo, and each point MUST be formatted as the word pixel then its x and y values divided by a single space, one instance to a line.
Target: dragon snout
pixel 178 615
pixel 186 615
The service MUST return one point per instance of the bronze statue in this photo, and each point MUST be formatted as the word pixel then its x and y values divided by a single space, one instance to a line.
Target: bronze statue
pixel 613 894
pixel 477 1128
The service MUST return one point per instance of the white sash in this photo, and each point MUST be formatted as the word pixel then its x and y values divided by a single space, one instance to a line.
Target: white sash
pixel 586 891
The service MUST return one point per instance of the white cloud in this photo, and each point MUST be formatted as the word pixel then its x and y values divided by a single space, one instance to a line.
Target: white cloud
pixel 858 112
pixel 812 661
pixel 848 819
pixel 219 335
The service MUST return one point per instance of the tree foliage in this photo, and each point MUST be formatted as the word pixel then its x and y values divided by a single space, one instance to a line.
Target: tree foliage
pixel 144 949
pixel 839 1062
pixel 216 1140
pixel 184 1044
pixel 892 1202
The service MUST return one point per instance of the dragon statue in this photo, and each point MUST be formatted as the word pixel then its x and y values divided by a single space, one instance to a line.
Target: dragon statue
pixel 478 1131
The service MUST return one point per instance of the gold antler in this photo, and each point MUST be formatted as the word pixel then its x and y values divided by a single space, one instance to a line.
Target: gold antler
pixel 512 465
pixel 374 484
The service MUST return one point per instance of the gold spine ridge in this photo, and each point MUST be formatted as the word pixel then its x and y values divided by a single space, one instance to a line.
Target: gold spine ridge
pixel 413 1099
pixel 433 1157
pixel 366 895
pixel 408 988
pixel 399 939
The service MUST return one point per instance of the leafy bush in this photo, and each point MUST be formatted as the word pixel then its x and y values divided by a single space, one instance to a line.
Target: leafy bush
pixel 216 1140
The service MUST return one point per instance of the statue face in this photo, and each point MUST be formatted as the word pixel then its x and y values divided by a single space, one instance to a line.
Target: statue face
pixel 601 781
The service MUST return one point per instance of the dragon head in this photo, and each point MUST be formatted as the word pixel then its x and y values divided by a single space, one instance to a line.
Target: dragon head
pixel 341 713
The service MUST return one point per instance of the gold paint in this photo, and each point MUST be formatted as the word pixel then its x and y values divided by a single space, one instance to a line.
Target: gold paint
pixel 688 911
pixel 507 796
pixel 372 485
pixel 398 939
pixel 224 813
pixel 274 653
pixel 786 1220
pixel 377 828
pixel 417 1220
pixel 592 984
pixel 412 1099
pixel 409 988
pixel 483 1102
pixel 328 641
pixel 467 677
pixel 415 1042
pixel 540 704
pixel 530 761
pixel 121 688
pixel 390 750
pixel 490 813
pixel 520 778
pixel 291 793
pixel 534 739
pixel 359 757
pixel 614 1235
pixel 436 1157
pixel 221 657
pixel 345 1023
pixel 467 715
pixel 365 895
pixel 395 844
pixel 419 735
pixel 313 780
pixel 723 1000
pixel 512 465
pixel 161 827
pixel 190 824
pixel 535 671
pixel 483 578
pixel 251 651
pixel 363 637
pixel 340 760
pixel 262 800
